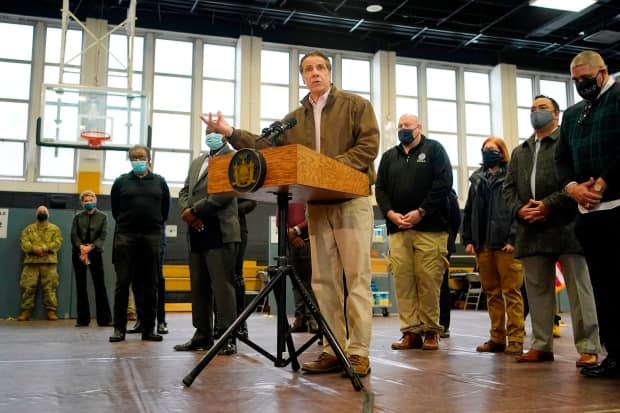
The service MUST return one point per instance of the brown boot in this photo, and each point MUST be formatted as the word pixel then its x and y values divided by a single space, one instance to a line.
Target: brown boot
pixel 491 347
pixel 51 315
pixel 326 363
pixel 431 341
pixel 24 315
pixel 514 348
pixel 409 340
pixel 359 364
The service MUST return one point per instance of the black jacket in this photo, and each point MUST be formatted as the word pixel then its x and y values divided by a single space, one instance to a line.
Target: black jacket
pixel 421 178
pixel 140 204
pixel 496 220
pixel 96 223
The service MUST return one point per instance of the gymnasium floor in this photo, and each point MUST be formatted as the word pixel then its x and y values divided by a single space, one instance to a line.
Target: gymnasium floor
pixel 54 367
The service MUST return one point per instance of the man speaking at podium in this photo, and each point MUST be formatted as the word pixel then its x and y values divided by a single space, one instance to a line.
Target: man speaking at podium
pixel 340 231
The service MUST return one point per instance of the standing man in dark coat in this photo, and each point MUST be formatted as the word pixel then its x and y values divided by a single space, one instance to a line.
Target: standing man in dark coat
pixel 214 238
pixel 412 188
pixel 140 205
pixel 545 234
pixel 587 157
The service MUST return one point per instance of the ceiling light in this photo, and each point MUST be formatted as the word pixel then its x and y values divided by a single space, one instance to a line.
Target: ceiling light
pixel 567 5
pixel 374 8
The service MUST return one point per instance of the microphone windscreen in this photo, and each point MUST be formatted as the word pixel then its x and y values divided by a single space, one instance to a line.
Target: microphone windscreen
pixel 290 122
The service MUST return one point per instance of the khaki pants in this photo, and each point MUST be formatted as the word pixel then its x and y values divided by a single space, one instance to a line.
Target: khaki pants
pixel 540 283
pixel 340 240
pixel 418 261
pixel 501 276
pixel 31 274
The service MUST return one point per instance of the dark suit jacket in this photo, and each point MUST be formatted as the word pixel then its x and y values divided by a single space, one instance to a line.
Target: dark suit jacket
pixel 98 229
pixel 194 195
pixel 556 233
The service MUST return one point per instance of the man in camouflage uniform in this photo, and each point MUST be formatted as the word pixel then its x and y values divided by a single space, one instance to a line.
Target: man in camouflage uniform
pixel 40 242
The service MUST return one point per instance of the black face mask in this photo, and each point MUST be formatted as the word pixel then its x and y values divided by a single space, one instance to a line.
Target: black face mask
pixel 491 158
pixel 42 217
pixel 588 88
pixel 405 136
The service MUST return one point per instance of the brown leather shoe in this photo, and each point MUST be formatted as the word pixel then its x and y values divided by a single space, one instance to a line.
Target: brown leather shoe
pixel 325 363
pixel 514 348
pixel 587 360
pixel 51 315
pixel 408 340
pixel 535 356
pixel 359 364
pixel 24 315
pixel 431 341
pixel 491 347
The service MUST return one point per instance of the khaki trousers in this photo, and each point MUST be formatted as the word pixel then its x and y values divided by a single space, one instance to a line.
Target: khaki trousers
pixel 340 241
pixel 418 261
pixel 29 280
pixel 501 276
pixel 540 285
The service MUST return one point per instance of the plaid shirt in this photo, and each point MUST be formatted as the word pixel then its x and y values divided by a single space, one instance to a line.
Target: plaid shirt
pixel 589 143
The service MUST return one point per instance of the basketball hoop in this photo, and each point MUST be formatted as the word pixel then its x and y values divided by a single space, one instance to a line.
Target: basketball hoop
pixel 95 138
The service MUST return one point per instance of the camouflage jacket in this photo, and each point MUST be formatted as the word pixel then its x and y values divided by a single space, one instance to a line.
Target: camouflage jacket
pixel 41 235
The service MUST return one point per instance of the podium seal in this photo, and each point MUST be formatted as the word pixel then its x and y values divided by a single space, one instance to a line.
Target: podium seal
pixel 247 169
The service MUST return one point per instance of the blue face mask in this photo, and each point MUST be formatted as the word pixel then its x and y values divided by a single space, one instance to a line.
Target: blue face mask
pixel 89 206
pixel 491 158
pixel 139 167
pixel 214 140
pixel 405 136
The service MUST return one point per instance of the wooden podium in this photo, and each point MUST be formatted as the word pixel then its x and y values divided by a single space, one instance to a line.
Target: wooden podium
pixel 305 174
pixel 298 173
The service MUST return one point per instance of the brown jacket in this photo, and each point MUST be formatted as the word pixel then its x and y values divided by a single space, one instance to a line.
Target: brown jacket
pixel 349 131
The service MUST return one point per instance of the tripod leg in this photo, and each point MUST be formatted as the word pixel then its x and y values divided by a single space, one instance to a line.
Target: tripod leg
pixel 284 337
pixel 323 327
pixel 245 314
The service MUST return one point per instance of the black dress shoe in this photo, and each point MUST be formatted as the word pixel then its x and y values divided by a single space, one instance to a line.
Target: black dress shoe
pixel 150 336
pixel 608 369
pixel 217 333
pixel 299 326
pixel 243 331
pixel 194 346
pixel 137 328
pixel 229 348
pixel 80 324
pixel 118 335
pixel 162 328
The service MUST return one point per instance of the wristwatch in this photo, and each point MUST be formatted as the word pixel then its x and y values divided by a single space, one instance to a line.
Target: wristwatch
pixel 422 212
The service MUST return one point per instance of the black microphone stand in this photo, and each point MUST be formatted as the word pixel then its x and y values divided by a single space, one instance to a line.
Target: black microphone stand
pixel 277 283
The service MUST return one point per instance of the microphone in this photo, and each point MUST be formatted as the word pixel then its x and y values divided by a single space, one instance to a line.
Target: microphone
pixel 276 129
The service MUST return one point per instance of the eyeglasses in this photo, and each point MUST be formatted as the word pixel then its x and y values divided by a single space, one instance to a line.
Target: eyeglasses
pixel 587 109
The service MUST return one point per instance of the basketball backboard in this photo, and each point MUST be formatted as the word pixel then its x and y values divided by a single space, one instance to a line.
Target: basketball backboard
pixel 67 111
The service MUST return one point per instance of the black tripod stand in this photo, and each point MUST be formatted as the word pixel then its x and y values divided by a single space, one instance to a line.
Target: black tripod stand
pixel 277 284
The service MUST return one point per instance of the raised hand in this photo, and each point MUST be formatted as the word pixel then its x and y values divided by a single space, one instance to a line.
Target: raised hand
pixel 217 124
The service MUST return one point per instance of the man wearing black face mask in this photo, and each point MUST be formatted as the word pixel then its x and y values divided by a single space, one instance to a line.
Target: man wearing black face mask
pixel 40 242
pixel 588 161
pixel 412 187
pixel 545 234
